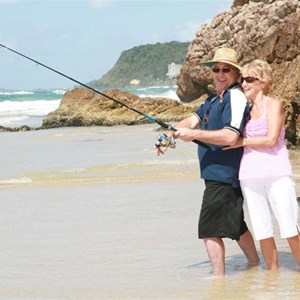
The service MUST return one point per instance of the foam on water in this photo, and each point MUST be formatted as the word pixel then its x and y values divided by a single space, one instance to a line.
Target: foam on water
pixel 21 180
pixel 156 91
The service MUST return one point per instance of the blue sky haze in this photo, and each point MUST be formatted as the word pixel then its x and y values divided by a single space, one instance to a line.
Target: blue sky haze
pixel 84 38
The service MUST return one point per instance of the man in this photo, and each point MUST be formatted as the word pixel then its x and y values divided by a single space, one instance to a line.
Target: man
pixel 218 122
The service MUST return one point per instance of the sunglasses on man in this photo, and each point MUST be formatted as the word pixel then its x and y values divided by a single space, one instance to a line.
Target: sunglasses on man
pixel 223 70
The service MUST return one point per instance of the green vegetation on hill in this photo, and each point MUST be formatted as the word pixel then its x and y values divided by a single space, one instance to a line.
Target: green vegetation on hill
pixel 146 63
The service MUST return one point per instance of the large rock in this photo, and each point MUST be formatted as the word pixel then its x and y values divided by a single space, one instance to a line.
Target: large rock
pixel 83 107
pixel 268 30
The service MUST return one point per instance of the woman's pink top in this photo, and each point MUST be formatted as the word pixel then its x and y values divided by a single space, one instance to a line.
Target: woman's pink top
pixel 264 162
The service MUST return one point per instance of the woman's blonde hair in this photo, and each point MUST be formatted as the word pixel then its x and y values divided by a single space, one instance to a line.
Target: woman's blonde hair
pixel 260 69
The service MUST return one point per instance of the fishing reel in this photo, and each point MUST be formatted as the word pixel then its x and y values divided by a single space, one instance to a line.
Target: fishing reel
pixel 164 142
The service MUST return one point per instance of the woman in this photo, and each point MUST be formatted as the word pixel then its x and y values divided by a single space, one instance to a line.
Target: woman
pixel 265 170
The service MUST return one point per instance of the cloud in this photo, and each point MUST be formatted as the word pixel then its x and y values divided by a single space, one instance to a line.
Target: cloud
pixel 99 3
pixel 188 31
pixel 223 5
pixel 8 1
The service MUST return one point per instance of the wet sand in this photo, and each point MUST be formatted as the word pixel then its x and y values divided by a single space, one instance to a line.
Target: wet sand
pixel 99 220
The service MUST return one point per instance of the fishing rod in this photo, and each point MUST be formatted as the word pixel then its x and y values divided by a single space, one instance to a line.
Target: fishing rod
pixel 160 122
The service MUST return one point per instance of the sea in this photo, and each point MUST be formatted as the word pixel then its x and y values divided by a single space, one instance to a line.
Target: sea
pixel 94 213
pixel 29 108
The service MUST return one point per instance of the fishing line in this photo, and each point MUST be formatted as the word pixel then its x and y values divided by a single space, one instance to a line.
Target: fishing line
pixel 160 122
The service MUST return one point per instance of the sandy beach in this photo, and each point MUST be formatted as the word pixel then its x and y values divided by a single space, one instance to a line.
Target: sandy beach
pixel 92 213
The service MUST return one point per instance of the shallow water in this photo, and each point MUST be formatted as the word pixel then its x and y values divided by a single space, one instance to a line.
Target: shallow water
pixel 92 213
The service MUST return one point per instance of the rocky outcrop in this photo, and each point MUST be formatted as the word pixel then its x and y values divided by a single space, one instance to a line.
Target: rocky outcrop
pixel 268 30
pixel 14 129
pixel 83 107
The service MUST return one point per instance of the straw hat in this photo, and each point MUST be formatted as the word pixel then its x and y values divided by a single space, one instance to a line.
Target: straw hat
pixel 224 55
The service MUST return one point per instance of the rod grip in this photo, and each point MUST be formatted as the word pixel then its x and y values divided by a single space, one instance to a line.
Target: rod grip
pixel 167 126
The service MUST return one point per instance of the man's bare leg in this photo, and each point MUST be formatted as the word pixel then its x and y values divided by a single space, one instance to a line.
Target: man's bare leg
pixel 216 252
pixel 246 243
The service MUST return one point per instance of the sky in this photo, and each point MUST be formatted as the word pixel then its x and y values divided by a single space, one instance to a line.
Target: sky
pixel 84 38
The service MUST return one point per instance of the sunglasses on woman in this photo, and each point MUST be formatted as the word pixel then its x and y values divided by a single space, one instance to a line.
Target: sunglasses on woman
pixel 248 79
pixel 218 70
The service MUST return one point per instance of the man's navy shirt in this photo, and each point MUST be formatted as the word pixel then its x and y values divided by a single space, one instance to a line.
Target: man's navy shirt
pixel 231 111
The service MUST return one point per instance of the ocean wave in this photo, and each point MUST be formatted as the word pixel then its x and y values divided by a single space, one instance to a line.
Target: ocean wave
pixel 156 91
pixel 76 170
pixel 59 92
pixel 30 108
pixel 21 180
pixel 42 93
pixel 7 121
pixel 158 87
pixel 17 113
pixel 16 93
pixel 169 94
pixel 22 93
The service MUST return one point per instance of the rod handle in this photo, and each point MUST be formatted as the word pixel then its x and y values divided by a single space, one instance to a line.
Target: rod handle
pixel 167 126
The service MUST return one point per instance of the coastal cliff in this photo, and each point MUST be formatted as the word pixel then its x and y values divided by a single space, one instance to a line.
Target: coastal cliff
pixel 154 59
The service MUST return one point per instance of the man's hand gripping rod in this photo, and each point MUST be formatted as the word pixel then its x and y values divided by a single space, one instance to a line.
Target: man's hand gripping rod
pixel 165 141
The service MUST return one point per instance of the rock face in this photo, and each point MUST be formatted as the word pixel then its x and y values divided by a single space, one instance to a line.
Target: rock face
pixel 268 30
pixel 82 107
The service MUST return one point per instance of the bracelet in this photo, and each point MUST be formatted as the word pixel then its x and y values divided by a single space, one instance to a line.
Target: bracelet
pixel 244 142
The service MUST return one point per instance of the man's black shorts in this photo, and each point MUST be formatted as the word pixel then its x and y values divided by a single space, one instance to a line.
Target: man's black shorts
pixel 222 212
